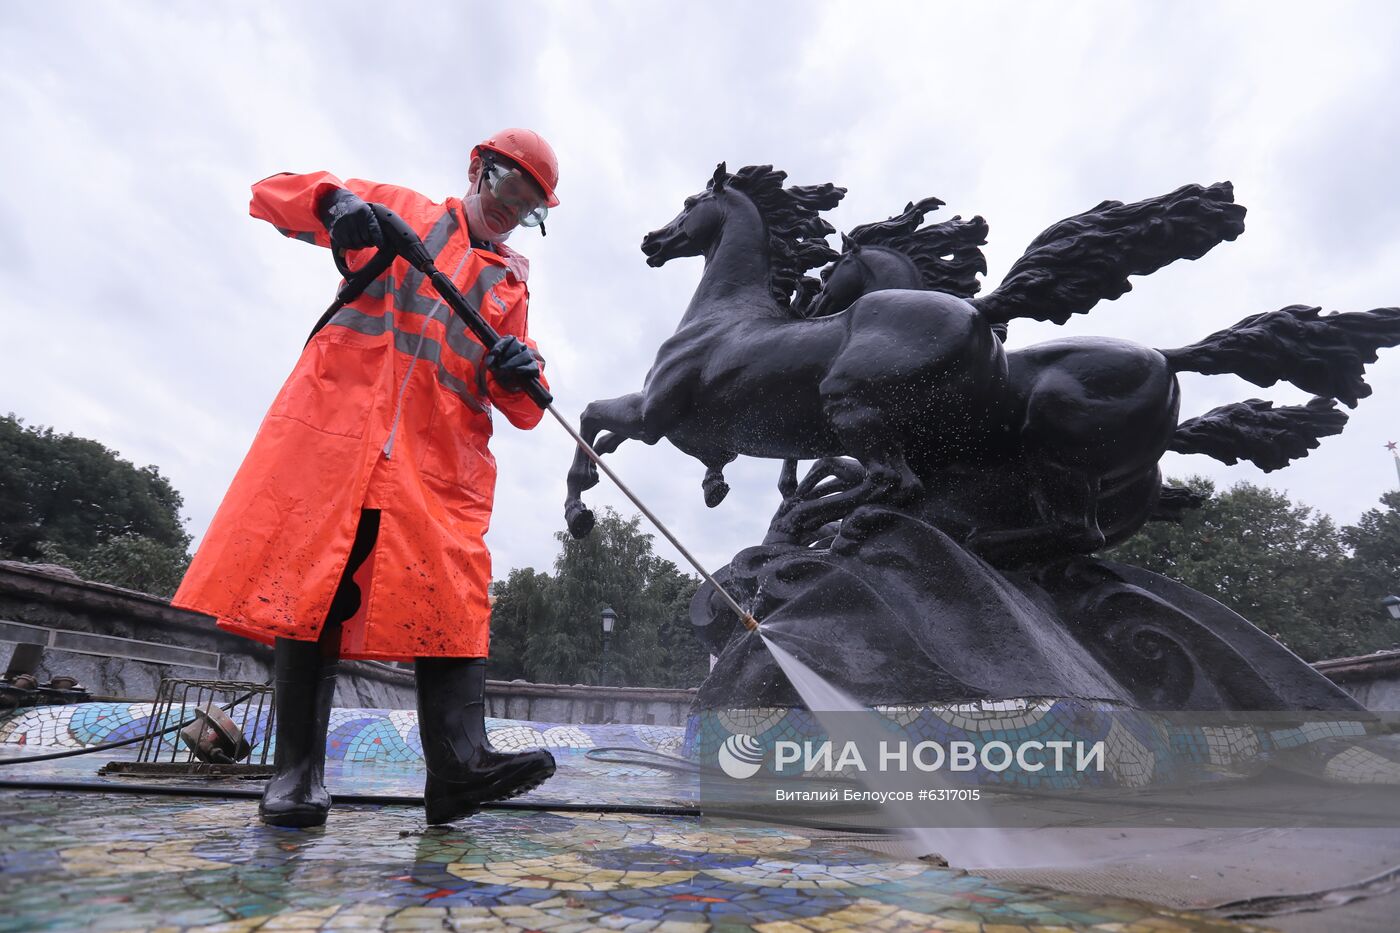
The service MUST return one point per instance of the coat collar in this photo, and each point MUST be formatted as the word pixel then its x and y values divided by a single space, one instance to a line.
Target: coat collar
pixel 500 253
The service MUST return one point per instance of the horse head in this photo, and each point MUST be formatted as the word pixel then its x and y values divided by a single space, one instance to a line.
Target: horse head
pixel 843 282
pixel 692 230
pixel 862 269
pixel 899 253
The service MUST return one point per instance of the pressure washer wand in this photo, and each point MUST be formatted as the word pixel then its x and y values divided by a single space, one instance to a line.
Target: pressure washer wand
pixel 745 616
pixel 403 241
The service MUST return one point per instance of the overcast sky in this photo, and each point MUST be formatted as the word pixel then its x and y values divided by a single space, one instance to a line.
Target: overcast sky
pixel 145 309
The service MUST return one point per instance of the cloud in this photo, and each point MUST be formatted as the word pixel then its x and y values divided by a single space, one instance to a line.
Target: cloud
pixel 145 309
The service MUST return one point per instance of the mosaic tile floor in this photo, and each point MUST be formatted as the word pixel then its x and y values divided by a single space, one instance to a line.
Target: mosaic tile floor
pixel 376 754
pixel 108 862
pixel 578 780
pixel 373 752
pixel 354 734
pixel 1142 749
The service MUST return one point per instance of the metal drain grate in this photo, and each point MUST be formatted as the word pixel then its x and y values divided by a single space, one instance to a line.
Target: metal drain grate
pixel 205 727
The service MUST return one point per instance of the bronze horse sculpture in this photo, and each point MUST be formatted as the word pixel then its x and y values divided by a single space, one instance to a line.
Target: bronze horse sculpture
pixel 741 375
pixel 1046 383
pixel 899 253
pixel 1020 449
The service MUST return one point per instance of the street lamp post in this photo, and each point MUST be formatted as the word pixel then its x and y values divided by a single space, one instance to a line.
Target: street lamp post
pixel 1392 605
pixel 609 619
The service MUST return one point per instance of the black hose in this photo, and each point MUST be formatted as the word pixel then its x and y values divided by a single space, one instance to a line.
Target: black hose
pixel 242 793
pixel 648 756
pixel 226 793
pixel 648 759
pixel 74 752
pixel 644 757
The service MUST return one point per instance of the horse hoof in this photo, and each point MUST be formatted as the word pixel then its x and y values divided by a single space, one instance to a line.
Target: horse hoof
pixel 580 520
pixel 715 493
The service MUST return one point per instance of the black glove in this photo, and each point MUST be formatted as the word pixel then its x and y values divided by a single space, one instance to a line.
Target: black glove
pixel 349 220
pixel 512 362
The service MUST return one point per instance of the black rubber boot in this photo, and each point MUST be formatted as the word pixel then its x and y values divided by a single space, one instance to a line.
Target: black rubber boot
pixel 305 684
pixel 464 771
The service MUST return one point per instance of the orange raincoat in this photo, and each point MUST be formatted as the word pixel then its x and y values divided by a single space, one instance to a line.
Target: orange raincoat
pixel 389 408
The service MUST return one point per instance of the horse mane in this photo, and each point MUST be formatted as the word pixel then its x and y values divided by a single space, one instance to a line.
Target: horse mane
pixel 1082 260
pixel 796 232
pixel 948 255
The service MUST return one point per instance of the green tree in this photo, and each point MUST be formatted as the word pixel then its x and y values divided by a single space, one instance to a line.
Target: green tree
pixel 1281 565
pixel 70 500
pixel 522 596
pixel 1373 573
pixel 548 629
pixel 684 662
pixel 613 566
pixel 133 561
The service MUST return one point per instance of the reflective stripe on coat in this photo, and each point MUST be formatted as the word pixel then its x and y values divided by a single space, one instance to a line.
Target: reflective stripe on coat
pixel 388 407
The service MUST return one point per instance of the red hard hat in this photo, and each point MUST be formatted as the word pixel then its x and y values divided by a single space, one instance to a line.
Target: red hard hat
pixel 529 150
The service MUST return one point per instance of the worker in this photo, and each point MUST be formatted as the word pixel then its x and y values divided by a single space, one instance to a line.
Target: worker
pixel 355 526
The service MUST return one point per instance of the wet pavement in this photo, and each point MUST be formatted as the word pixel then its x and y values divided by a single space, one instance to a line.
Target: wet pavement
pixel 100 861
pixel 80 850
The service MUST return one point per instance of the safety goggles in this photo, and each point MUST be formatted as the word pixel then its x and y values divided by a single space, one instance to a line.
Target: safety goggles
pixel 518 191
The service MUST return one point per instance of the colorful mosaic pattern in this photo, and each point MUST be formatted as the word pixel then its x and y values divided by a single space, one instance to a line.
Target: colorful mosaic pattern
pixel 1141 748
pixel 354 735
pixel 374 752
pixel 120 862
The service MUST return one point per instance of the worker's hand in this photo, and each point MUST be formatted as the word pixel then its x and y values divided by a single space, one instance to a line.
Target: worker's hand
pixel 512 362
pixel 350 221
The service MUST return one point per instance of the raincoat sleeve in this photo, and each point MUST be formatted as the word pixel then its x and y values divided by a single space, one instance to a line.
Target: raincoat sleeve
pixel 516 406
pixel 288 202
